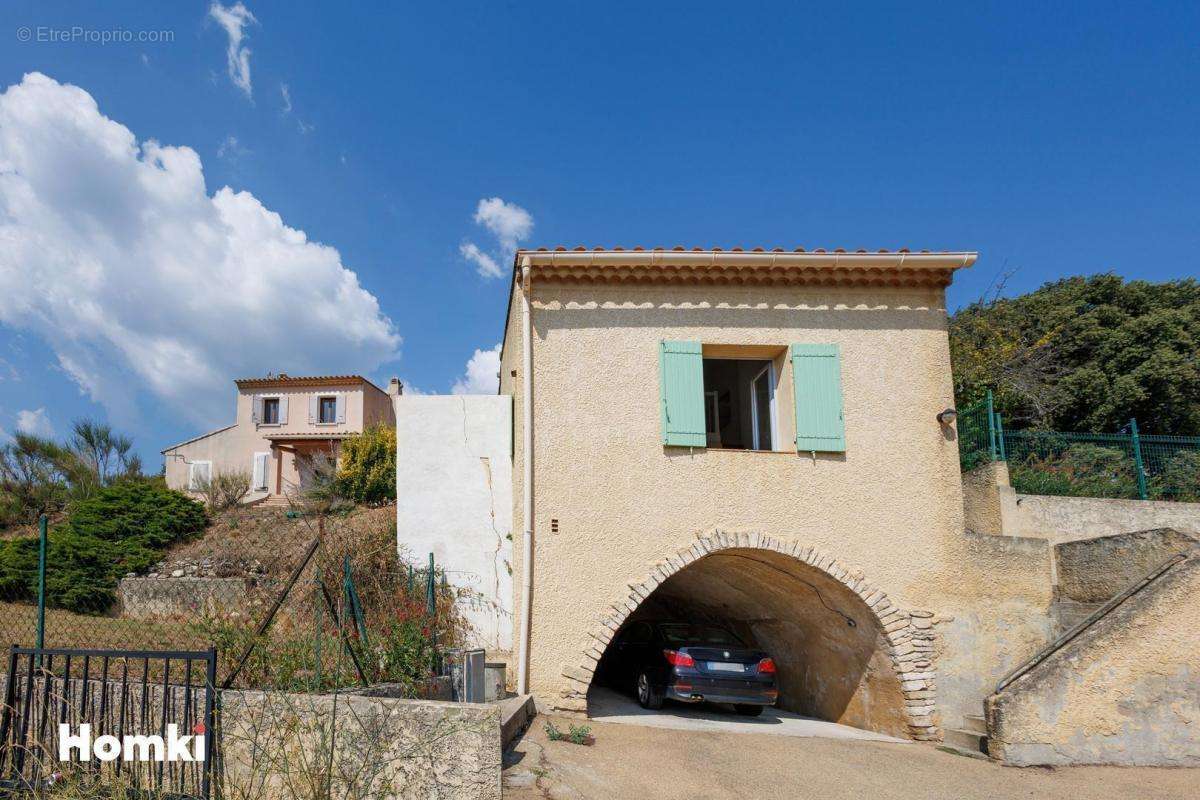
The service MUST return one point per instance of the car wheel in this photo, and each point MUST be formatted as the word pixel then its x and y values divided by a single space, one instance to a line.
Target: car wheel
pixel 647 694
pixel 747 710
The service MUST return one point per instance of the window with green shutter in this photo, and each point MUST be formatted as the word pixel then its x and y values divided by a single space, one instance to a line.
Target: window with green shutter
pixel 681 384
pixel 817 376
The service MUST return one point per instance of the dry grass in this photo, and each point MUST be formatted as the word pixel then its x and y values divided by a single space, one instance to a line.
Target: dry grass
pixel 66 629
pixel 278 542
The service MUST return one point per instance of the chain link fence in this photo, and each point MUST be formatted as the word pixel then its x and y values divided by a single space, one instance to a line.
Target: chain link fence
pixel 291 600
pixel 1125 464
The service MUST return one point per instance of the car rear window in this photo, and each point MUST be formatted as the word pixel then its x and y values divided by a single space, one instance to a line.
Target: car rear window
pixel 682 633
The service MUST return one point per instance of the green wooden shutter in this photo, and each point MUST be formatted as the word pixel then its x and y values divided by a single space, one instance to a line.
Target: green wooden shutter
pixel 817 377
pixel 681 368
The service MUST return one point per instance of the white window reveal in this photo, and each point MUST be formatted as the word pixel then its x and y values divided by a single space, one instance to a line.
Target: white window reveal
pixel 199 474
pixel 259 470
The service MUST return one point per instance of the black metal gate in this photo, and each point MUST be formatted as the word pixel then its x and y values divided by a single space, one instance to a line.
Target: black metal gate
pixel 132 695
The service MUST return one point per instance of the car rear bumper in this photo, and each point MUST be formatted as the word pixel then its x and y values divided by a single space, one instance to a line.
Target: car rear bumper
pixel 700 694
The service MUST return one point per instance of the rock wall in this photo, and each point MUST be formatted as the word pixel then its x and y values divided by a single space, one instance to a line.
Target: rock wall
pixel 181 597
pixel 284 745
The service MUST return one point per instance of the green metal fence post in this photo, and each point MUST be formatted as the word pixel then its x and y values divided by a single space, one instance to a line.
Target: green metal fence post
pixel 1000 437
pixel 43 525
pixel 991 423
pixel 1137 459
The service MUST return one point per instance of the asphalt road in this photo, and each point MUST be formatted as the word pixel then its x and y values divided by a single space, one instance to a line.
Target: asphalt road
pixel 634 761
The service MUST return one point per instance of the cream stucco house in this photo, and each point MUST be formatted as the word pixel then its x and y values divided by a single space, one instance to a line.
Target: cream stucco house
pixel 279 421
pixel 745 436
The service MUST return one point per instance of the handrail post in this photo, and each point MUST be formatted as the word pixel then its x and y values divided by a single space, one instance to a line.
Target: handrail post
pixel 1137 459
pixel 991 422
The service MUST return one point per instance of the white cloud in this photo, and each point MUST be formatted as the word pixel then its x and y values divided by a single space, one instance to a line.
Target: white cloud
pixel 509 223
pixel 231 149
pixel 35 422
pixel 484 264
pixel 301 125
pixel 234 19
pixel 482 375
pixel 114 252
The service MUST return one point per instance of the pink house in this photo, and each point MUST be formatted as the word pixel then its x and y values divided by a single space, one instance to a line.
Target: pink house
pixel 280 422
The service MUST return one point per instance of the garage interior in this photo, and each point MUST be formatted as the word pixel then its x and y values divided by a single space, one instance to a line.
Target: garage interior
pixel 831 655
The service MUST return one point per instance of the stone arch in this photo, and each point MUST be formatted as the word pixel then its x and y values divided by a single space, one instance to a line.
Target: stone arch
pixel 908 635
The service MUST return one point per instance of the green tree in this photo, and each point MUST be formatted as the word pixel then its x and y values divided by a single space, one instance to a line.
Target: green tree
pixel 367 466
pixel 1085 354
pixel 32 479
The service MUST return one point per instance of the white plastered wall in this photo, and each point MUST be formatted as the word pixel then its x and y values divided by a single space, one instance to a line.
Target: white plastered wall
pixel 454 499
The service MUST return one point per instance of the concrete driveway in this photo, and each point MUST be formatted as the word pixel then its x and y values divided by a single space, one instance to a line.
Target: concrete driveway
pixel 612 707
pixel 638 761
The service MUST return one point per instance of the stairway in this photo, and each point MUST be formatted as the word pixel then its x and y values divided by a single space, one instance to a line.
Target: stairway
pixel 970 738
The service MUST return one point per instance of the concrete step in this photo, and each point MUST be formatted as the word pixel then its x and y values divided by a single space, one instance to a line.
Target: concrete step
pixel 975 723
pixel 967 741
pixel 1068 613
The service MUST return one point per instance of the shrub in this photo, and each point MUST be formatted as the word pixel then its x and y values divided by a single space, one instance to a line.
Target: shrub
pixel 1180 479
pixel 367 467
pixel 225 489
pixel 121 528
pixel 1080 470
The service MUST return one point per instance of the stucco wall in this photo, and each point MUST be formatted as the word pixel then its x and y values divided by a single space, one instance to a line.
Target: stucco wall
pixel 1065 519
pixel 454 499
pixel 992 506
pixel 890 508
pixel 1126 691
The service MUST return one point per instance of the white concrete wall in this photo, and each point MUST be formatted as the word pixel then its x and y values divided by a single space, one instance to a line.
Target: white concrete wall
pixel 454 499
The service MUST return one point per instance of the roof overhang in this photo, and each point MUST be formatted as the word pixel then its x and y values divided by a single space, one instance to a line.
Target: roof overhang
pixel 308 437
pixel 737 267
pixel 288 382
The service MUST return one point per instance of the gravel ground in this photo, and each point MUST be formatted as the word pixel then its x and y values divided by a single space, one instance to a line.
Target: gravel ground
pixel 632 761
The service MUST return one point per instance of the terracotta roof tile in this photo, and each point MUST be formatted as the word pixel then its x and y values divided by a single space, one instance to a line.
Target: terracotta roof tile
pixel 736 249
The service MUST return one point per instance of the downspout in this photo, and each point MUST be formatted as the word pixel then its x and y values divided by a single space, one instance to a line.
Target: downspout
pixel 527 458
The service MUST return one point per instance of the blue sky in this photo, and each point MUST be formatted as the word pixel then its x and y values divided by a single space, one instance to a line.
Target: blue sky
pixel 1052 141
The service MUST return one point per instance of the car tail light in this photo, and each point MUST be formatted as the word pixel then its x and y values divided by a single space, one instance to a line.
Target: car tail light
pixel 678 659
pixel 766 666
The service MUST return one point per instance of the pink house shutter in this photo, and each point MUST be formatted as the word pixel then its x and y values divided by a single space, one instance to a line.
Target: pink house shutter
pixel 312 410
pixel 341 409
pixel 256 406
pixel 283 405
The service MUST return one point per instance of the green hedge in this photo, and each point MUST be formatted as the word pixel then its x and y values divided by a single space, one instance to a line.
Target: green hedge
pixel 122 528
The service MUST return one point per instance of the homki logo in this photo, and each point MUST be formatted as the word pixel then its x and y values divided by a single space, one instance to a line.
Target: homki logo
pixel 130 747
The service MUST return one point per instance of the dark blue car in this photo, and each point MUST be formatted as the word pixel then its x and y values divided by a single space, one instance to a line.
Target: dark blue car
pixel 691 663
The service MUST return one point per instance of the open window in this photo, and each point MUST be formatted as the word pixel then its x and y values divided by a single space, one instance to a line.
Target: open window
pixel 739 411
pixel 724 396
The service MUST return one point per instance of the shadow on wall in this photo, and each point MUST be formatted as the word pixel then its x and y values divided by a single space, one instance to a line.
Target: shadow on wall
pixel 832 658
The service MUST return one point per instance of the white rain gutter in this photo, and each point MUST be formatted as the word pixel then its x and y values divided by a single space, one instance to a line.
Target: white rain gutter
pixel 706 258
pixel 527 458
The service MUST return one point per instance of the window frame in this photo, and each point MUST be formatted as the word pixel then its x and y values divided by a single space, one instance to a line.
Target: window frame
pixel 773 421
pixel 333 405
pixel 191 482
pixel 277 404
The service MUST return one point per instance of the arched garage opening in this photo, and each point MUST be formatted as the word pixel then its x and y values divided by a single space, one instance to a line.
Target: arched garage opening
pixel 845 654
